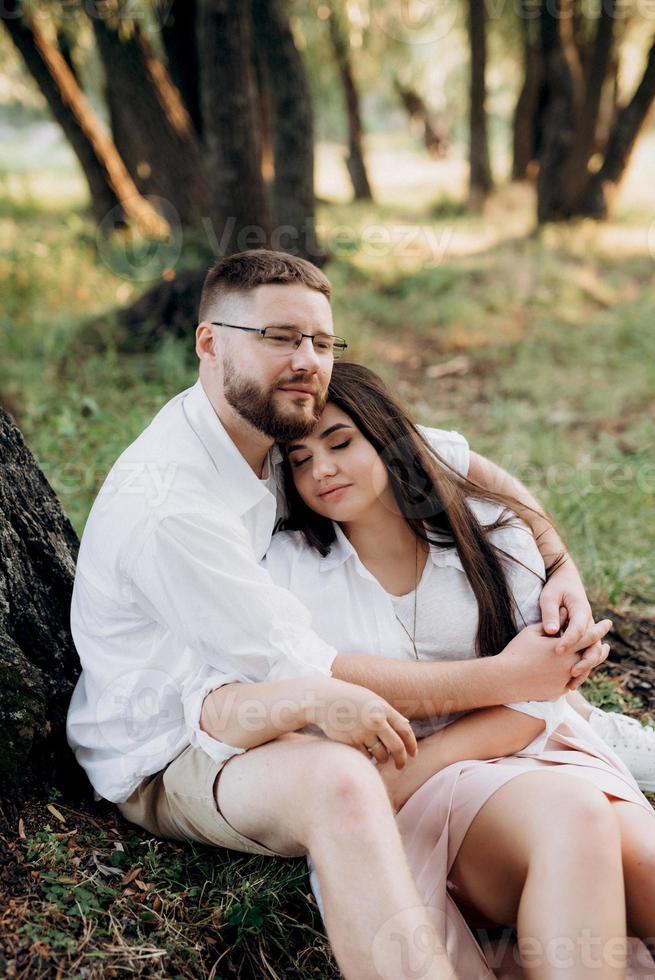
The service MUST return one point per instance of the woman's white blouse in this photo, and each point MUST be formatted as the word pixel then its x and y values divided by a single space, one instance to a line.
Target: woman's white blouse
pixel 351 611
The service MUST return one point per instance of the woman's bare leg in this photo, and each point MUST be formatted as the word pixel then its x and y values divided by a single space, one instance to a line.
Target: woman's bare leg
pixel 545 853
pixel 638 848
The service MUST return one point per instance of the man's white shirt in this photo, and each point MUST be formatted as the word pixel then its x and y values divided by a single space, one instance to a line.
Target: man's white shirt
pixel 170 602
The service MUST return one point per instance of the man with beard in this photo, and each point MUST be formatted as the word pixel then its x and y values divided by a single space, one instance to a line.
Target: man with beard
pixel 171 604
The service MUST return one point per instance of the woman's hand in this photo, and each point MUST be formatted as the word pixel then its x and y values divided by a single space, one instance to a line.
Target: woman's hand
pixel 357 716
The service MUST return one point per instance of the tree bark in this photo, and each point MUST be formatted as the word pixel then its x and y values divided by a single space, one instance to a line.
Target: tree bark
pixel 38 661
pixel 341 47
pixel 480 180
pixel 526 128
pixel 599 195
pixel 152 130
pixel 575 173
pixel 560 116
pixel 239 204
pixel 178 30
pixel 293 132
pixel 110 184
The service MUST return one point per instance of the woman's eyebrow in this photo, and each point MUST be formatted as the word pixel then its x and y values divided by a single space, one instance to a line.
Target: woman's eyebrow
pixel 323 435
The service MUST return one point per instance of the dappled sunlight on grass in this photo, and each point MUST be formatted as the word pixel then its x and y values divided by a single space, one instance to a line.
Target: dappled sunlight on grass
pixel 540 348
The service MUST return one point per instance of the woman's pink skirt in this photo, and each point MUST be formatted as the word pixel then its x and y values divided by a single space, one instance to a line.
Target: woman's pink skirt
pixel 434 822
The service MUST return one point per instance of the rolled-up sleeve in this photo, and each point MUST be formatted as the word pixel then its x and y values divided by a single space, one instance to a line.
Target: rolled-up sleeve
pixel 197 575
pixel 194 692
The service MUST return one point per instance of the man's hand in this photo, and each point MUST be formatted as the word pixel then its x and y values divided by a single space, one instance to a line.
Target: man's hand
pixel 357 716
pixel 538 672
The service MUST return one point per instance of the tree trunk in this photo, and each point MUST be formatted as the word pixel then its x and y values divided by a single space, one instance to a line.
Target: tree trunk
pixel 293 132
pixel 575 173
pixel 178 31
pixel 110 184
pixel 480 180
pixel 153 131
pixel 434 135
pixel 239 204
pixel 599 195
pixel 527 113
pixel 341 47
pixel 561 109
pixel 38 661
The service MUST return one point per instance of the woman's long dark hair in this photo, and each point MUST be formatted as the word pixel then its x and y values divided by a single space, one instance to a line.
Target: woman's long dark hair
pixel 430 495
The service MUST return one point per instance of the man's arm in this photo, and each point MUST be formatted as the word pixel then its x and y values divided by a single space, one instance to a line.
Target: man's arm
pixel 563 600
pixel 528 669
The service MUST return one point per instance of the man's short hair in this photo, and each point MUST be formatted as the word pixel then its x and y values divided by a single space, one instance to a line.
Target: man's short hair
pixel 243 271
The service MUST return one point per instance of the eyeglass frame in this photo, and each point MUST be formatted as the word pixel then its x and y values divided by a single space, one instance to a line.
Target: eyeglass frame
pixel 343 346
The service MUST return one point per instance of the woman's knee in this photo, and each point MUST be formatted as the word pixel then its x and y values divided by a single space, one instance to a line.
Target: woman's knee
pixel 577 815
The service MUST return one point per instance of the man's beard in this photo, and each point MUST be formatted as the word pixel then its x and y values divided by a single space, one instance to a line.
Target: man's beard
pixel 256 405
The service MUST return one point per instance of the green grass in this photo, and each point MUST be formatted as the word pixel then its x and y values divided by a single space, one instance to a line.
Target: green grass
pixel 556 332
pixel 92 897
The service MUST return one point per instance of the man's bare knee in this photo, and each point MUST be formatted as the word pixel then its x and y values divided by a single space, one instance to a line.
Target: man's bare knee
pixel 286 792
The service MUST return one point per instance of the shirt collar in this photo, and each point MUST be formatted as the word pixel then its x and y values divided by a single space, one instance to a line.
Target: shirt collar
pixel 342 551
pixel 243 489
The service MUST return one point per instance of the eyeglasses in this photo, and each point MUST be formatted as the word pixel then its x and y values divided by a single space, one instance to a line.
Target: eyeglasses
pixel 285 340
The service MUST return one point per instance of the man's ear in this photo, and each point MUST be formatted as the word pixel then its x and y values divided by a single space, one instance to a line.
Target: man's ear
pixel 206 347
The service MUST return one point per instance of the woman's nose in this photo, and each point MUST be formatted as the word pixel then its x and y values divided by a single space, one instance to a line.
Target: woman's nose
pixel 323 466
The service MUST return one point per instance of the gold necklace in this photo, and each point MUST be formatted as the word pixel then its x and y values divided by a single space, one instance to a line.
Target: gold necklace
pixel 412 636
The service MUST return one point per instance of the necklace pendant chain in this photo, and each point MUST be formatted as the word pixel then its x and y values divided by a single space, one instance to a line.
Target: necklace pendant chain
pixel 412 636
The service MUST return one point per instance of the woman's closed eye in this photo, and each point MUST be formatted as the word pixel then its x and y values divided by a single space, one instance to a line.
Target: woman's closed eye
pixel 297 463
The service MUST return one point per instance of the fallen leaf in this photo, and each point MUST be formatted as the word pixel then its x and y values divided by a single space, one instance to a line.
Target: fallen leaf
pixel 56 813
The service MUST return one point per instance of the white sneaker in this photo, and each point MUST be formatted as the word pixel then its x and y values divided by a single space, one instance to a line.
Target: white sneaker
pixel 633 743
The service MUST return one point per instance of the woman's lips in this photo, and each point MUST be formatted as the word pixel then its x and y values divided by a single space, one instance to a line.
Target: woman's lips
pixel 335 493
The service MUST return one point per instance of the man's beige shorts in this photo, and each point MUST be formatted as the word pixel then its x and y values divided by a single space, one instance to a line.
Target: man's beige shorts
pixel 179 803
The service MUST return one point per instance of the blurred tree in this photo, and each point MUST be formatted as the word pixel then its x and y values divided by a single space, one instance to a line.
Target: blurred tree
pixel 600 191
pixel 177 21
pixel 110 184
pixel 153 132
pixel 527 115
pixel 587 138
pixel 238 200
pixel 480 180
pixel 340 39
pixel 293 131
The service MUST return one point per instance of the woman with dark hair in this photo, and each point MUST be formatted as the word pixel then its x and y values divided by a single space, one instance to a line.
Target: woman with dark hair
pixel 395 552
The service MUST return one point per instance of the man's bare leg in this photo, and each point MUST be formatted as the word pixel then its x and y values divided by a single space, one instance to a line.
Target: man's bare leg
pixel 301 794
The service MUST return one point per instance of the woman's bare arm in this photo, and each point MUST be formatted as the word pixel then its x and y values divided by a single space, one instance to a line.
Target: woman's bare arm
pixel 489 733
